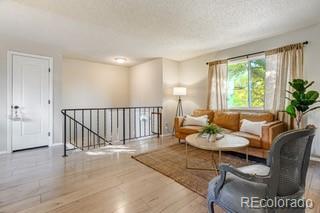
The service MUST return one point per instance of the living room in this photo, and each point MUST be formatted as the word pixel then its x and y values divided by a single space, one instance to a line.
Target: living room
pixel 123 67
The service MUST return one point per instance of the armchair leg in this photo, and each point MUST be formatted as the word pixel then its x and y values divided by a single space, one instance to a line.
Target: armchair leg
pixel 210 206
pixel 179 140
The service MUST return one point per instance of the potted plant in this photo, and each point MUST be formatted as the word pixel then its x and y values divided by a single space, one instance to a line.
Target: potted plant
pixel 302 100
pixel 211 130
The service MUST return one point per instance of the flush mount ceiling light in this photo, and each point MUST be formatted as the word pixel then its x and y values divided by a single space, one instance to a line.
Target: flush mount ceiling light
pixel 120 60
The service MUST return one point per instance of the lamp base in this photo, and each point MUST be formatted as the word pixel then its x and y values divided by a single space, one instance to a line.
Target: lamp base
pixel 179 112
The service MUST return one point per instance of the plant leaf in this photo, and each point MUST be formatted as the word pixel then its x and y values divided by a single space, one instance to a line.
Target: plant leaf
pixel 294 103
pixel 296 95
pixel 291 110
pixel 298 84
pixel 312 95
pixel 301 99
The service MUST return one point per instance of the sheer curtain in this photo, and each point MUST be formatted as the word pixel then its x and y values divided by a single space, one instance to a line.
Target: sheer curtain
pixel 217 85
pixel 282 65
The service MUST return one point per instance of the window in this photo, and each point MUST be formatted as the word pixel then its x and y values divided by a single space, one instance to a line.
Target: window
pixel 246 83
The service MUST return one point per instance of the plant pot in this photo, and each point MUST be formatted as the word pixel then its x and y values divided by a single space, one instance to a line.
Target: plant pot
pixel 212 138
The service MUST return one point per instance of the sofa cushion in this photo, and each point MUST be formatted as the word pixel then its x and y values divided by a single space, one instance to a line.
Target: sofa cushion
pixel 190 129
pixel 255 140
pixel 228 120
pixel 257 116
pixel 200 112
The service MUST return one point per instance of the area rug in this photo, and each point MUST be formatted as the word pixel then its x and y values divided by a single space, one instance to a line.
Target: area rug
pixel 171 161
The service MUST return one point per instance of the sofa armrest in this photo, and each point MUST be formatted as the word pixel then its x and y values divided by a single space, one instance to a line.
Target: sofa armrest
pixel 270 131
pixel 178 122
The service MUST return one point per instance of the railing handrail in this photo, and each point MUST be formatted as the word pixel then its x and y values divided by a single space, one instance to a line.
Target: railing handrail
pixel 84 126
pixel 126 118
pixel 108 108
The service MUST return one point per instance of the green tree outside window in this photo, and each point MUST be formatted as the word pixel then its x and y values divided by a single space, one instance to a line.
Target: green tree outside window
pixel 246 83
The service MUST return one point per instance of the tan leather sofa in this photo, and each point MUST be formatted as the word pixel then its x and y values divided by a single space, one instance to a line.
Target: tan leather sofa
pixel 230 121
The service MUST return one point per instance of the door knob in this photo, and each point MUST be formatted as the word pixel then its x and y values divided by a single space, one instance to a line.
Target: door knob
pixel 16 115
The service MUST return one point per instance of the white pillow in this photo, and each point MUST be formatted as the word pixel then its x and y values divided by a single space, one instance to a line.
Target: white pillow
pixel 252 127
pixel 195 121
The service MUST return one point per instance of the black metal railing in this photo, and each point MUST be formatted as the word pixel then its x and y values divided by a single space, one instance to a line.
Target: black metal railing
pixel 87 128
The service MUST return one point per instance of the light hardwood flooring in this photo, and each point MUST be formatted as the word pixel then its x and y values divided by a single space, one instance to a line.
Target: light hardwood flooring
pixel 104 180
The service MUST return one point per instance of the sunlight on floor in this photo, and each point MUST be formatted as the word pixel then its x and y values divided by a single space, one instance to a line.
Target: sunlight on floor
pixel 111 149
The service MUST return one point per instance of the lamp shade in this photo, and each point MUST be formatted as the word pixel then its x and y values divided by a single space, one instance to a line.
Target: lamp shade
pixel 179 91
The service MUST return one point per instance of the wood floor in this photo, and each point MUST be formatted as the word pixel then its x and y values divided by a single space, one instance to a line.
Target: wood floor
pixel 105 180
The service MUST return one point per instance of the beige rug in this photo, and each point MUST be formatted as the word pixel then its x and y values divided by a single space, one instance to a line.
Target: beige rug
pixel 171 161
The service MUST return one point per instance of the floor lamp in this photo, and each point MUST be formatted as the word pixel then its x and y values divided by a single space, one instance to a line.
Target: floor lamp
pixel 179 91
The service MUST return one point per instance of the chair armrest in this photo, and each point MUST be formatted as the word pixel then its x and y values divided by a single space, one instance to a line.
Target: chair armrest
pixel 224 168
pixel 178 122
pixel 270 131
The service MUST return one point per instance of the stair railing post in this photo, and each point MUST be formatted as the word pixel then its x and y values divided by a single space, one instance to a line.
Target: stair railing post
pixel 64 134
pixel 124 125
pixel 158 121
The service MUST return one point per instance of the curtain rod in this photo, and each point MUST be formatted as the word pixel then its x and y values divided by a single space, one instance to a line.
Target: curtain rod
pixel 246 55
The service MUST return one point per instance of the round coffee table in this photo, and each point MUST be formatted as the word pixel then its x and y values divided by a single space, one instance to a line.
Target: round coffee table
pixel 227 143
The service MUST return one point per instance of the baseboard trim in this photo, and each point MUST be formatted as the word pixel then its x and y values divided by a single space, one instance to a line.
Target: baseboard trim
pixel 4 152
pixel 32 148
pixel 313 158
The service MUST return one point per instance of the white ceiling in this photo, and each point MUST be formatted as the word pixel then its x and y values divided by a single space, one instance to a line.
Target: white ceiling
pixel 100 30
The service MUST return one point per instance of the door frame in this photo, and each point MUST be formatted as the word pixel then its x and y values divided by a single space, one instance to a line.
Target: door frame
pixel 10 93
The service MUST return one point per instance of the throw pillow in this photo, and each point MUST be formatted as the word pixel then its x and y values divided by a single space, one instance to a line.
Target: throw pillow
pixel 252 127
pixel 195 121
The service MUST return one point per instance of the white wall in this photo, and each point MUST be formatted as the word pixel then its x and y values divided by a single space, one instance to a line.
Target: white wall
pixel 37 49
pixel 169 102
pixel 145 84
pixel 87 84
pixel 151 84
pixel 193 75
pixel 193 72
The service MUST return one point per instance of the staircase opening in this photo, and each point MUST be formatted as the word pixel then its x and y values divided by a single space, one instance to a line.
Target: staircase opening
pixel 88 128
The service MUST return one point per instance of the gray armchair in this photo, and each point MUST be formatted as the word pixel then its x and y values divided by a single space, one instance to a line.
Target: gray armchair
pixel 283 177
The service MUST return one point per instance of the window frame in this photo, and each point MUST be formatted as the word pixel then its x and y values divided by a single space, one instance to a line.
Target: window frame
pixel 248 59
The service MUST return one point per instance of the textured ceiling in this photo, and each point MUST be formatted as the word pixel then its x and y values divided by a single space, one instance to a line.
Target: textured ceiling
pixel 100 30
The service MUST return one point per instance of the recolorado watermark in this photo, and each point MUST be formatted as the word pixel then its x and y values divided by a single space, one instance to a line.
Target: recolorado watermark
pixel 256 202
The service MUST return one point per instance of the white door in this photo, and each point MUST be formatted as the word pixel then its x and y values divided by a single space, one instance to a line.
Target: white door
pixel 30 102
